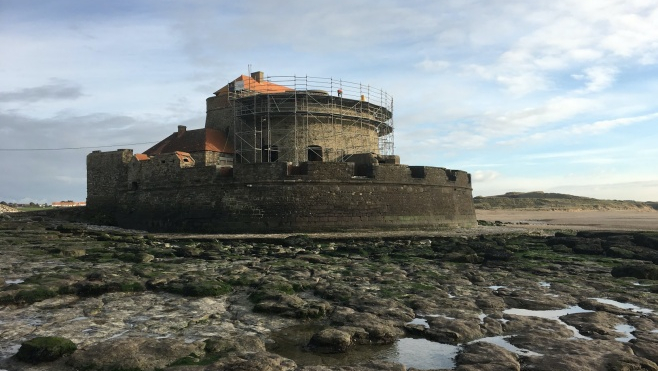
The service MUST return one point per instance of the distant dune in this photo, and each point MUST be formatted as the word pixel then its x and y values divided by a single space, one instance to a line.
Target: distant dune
pixel 556 201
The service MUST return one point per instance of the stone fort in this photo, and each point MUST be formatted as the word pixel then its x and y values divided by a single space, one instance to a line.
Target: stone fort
pixel 276 155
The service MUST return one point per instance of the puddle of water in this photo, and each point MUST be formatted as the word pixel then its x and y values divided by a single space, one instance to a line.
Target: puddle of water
pixel 439 315
pixel 621 305
pixel 117 335
pixel 78 319
pixel 550 314
pixel 482 316
pixel 626 330
pixel 654 331
pixel 419 321
pixel 14 282
pixel 496 287
pixel 554 315
pixel 451 296
pixel 503 343
pixel 421 354
pixel 139 318
pixel 34 322
pixel 544 284
pixel 8 351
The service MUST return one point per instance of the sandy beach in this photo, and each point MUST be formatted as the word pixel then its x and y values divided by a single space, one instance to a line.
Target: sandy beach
pixel 621 220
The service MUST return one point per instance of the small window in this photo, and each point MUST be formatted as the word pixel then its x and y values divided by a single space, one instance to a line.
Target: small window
pixel 270 154
pixel 314 153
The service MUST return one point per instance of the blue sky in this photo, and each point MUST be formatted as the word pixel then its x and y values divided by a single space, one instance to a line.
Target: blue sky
pixel 558 96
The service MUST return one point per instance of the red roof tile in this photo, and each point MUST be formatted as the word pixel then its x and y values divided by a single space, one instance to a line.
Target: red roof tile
pixel 192 141
pixel 250 84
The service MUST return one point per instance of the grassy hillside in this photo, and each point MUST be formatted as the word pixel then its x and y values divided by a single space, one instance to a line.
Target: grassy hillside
pixel 556 201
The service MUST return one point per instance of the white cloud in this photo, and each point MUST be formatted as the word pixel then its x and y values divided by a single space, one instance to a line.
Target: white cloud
pixel 432 66
pixel 582 130
pixel 597 78
pixel 518 122
pixel 482 176
pixel 572 34
pixel 603 126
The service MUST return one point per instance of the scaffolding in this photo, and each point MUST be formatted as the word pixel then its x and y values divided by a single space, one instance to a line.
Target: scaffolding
pixel 297 119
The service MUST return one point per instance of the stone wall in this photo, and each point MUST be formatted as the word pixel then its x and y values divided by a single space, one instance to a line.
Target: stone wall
pixel 336 139
pixel 107 175
pixel 277 197
pixel 219 116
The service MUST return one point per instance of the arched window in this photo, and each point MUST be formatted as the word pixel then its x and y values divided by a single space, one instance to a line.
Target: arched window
pixel 314 153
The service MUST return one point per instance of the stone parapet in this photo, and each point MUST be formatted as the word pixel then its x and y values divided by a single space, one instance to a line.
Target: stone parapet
pixel 169 193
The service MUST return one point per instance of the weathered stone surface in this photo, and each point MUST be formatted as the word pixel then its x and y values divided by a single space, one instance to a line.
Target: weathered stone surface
pixel 643 271
pixel 453 331
pixel 247 343
pixel 483 356
pixel 593 304
pixel 331 340
pixel 368 289
pixel 629 363
pixel 369 366
pixel 132 354
pixel 527 328
pixel 572 355
pixel 380 331
pixel 248 361
pixel 597 325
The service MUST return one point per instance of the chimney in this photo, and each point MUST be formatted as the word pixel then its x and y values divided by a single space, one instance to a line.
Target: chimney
pixel 181 130
pixel 258 76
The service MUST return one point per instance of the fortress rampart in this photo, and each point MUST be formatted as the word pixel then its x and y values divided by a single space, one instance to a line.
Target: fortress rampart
pixel 169 193
pixel 277 155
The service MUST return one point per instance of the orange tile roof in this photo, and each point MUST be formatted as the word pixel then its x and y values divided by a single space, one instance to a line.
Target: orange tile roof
pixel 250 84
pixel 193 141
pixel 182 155
pixel 141 157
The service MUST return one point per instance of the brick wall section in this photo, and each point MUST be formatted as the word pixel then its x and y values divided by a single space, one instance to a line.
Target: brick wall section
pixel 276 197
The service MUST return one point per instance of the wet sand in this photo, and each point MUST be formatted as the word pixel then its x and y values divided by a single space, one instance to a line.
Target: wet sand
pixel 618 220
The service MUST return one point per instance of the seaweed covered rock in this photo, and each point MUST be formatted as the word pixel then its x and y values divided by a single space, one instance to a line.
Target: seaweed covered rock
pixel 331 340
pixel 133 354
pixel 641 271
pixel 45 349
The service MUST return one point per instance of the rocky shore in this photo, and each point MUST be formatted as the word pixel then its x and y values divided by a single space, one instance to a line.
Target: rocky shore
pixel 81 297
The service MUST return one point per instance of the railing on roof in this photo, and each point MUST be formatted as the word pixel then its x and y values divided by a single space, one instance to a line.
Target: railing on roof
pixel 356 100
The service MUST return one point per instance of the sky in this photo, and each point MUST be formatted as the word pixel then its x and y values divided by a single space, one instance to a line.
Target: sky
pixel 545 95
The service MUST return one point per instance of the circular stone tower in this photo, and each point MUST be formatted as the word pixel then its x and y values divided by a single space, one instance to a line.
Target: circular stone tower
pixel 299 119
